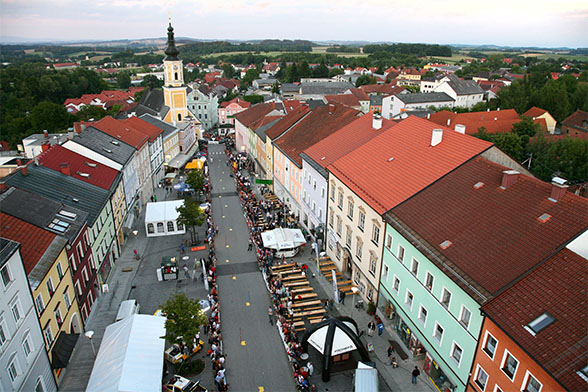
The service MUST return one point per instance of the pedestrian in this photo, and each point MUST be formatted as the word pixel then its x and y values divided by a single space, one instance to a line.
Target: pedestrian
pixel 342 297
pixel 310 368
pixel 415 373
pixel 390 350
pixel 151 197
pixel 270 313
pixel 250 246
pixel 371 328
pixel 155 198
pixel 394 363
pixel 182 248
pixel 186 272
pixel 331 302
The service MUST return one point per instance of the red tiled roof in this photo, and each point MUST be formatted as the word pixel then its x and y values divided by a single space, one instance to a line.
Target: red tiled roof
pixel 359 94
pixel 99 175
pixel 239 101
pixel 382 183
pixel 122 131
pixel 291 104
pixel 343 99
pixel 534 112
pixel 144 127
pixel 388 89
pixel 558 287
pixel 34 241
pixel 346 140
pixel 492 229
pixel 317 125
pixel 577 119
pixel 496 121
pixel 254 113
pixel 287 121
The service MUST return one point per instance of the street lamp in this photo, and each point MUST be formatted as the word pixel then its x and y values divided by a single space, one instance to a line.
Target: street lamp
pixel 89 335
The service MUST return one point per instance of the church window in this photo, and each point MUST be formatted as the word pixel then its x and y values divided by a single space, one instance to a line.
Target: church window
pixel 179 117
pixel 176 76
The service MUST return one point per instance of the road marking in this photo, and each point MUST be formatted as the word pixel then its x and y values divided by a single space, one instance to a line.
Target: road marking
pixel 230 229
pixel 227 260
pixel 223 187
pixel 223 217
pixel 227 246
pixel 219 196
pixel 243 343
pixel 226 205
pixel 220 180
pixel 234 277
pixel 261 389
pixel 247 303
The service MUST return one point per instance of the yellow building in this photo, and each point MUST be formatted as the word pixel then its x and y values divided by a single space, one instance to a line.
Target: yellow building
pixel 119 208
pixel 175 93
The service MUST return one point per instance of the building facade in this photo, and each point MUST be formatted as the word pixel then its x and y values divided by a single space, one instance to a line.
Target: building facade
pixel 174 91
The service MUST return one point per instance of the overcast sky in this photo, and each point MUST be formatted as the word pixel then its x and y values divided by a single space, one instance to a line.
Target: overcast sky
pixel 548 23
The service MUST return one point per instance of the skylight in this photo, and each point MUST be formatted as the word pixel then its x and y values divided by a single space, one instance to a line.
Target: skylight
pixel 68 214
pixel 446 244
pixel 540 323
pixel 583 372
pixel 544 218
pixel 478 185
pixel 115 142
pixel 91 164
pixel 107 150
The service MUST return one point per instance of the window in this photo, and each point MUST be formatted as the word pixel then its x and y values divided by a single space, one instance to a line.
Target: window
pixel 80 249
pixel 358 250
pixel 16 312
pixel 429 281
pixel 438 333
pixel 50 286
pixel 456 353
pixel 340 203
pixel 414 267
pixel 422 315
pixel 396 285
pixel 481 378
pixel 400 254
pixel 72 262
pixel 339 225
pixel 509 365
pixel 361 220
pixel 59 271
pixel 376 234
pixel 85 275
pixel 320 213
pixel 490 345
pixel 465 317
pixel 445 298
pixel 39 304
pixel 78 287
pixel 170 226
pixel 48 335
pixel 408 300
pixel 66 299
pixel 3 332
pixel 160 228
pixel 348 238
pixel 313 183
pixel 332 192
pixel 583 372
pixel 322 192
pixel 373 265
pixel 13 370
pixel 388 241
pixel 540 323
pixel 331 218
pixel 385 273
pixel 180 226
pixel 530 384
pixel 40 385
pixel 27 346
pixel 57 314
pixel 6 275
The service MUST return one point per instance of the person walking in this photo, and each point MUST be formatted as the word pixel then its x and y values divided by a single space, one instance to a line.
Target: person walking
pixel 415 373
pixel 371 328
pixel 250 246
pixel 310 368
pixel 342 297
pixel 390 350
pixel 186 272
pixel 270 313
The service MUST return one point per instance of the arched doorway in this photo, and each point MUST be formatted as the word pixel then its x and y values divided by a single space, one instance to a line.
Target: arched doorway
pixel 74 324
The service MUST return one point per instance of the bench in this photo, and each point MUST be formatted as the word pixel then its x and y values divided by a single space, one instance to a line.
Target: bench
pixel 293 278
pixel 298 296
pixel 301 290
pixel 283 273
pixel 283 266
pixel 307 304
pixel 309 313
pixel 297 284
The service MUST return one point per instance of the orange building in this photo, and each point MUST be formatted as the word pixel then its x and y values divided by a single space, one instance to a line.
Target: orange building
pixel 534 335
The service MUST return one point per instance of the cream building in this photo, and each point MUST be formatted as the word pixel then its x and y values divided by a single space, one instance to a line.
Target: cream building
pixel 175 93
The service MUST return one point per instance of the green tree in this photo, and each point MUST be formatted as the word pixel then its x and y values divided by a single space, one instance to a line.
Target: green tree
pixel 123 79
pixel 514 97
pixel 151 81
pixel 526 127
pixel 553 97
pixel 365 79
pixel 304 70
pixel 196 181
pixel 50 116
pixel 91 112
pixel 184 318
pixel 191 216
pixel 335 72
pixel 292 74
pixel 320 71
pixel 228 70
pixel 251 75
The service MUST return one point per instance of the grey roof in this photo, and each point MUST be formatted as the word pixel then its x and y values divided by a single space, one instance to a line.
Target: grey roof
pixel 46 261
pixel 261 130
pixel 463 87
pixel 266 81
pixel 376 100
pixel 152 102
pixel 165 127
pixel 322 171
pixel 7 249
pixel 314 103
pixel 100 142
pixel 38 139
pixel 290 88
pixel 40 211
pixel 325 88
pixel 424 97
pixel 63 189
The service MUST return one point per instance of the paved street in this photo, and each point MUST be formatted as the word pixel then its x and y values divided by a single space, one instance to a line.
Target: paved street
pixel 255 353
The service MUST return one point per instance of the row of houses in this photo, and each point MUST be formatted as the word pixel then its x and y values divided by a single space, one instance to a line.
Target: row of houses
pixel 65 216
pixel 438 230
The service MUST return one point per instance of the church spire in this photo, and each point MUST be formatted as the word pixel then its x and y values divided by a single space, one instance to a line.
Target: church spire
pixel 171 51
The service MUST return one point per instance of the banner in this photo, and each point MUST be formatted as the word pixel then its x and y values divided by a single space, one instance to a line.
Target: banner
pixel 335 286
pixel 204 274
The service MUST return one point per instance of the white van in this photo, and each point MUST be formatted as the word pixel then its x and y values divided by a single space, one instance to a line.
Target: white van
pixel 127 308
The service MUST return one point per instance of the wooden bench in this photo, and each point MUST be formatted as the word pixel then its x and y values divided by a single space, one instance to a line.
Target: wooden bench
pixel 344 283
pixel 293 278
pixel 309 313
pixel 338 275
pixel 297 284
pixel 283 267
pixel 301 290
pixel 283 273
pixel 298 297
pixel 307 304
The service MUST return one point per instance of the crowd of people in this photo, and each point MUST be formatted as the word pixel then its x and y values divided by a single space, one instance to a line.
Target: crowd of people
pixel 262 215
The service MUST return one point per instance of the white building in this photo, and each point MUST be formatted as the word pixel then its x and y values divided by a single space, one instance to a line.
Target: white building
pixel 203 104
pixel 161 218
pixel 24 364
pixel 395 104
pixel 466 93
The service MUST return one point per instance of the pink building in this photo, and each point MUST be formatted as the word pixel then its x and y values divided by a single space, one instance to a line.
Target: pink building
pixel 227 110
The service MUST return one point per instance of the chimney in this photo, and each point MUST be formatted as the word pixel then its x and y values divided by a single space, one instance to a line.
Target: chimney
pixel 45 133
pixel 70 135
pixel 24 170
pixel 448 122
pixel 428 116
pixel 488 109
pixel 2 186
pixel 377 121
pixel 65 169
pixel 498 109
pixel 460 128
pixel 509 177
pixel 45 147
pixel 436 137
pixel 559 188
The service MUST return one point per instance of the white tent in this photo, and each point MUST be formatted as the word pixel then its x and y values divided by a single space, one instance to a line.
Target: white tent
pixel 342 343
pixel 366 378
pixel 131 356
pixel 282 238
pixel 160 218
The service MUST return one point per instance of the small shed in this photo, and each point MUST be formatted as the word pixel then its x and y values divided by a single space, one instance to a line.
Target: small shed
pixel 161 218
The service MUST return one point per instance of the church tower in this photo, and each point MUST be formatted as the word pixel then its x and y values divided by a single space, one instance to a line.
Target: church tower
pixel 174 90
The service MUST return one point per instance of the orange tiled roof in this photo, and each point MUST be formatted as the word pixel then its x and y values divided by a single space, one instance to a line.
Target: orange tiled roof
pixel 144 127
pixel 121 130
pixel 496 121
pixel 534 112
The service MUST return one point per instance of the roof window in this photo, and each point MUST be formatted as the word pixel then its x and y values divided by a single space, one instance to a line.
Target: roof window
pixel 390 159
pixel 91 164
pixel 544 218
pixel 68 214
pixel 446 244
pixel 583 372
pixel 478 185
pixel 540 323
pixel 115 142
pixel 107 150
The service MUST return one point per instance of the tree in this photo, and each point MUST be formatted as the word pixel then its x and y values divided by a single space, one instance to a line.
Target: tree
pixel 365 79
pixel 124 80
pixel 228 70
pixel 184 318
pixel 251 75
pixel 191 216
pixel 151 81
pixel 553 97
pixel 514 97
pixel 292 74
pixel 50 116
pixel 276 88
pixel 196 181
pixel 526 127
pixel 91 112
pixel 304 70
pixel 335 72
pixel 321 70
pixel 510 143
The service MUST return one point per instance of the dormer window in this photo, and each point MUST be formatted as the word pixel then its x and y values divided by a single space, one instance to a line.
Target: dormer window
pixel 540 323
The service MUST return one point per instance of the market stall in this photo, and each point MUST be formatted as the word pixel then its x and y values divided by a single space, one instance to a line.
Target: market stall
pixel 168 269
pixel 286 242
pixel 161 218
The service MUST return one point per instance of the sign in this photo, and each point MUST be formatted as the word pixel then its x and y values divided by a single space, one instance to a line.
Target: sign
pixel 204 274
pixel 105 288
pixel 336 291
pixel 262 181
pixel 197 248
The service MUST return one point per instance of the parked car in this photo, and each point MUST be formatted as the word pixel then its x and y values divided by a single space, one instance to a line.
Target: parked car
pixel 179 353
pixel 181 384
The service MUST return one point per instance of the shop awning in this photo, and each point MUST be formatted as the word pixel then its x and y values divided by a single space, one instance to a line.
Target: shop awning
pixel 62 349
pixel 171 176
pixel 179 161
pixel 195 164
